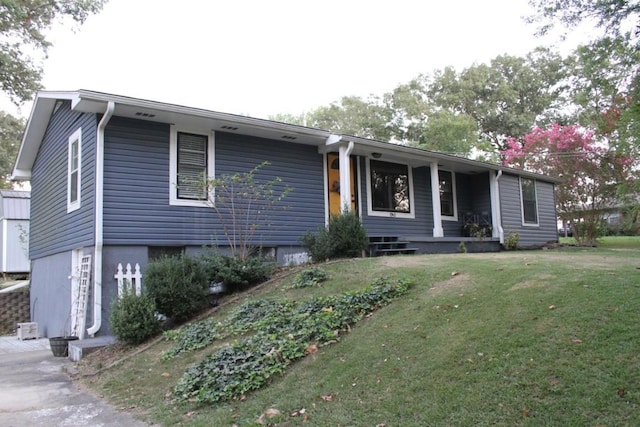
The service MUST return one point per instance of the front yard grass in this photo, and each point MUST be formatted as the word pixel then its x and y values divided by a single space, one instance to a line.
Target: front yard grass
pixel 528 338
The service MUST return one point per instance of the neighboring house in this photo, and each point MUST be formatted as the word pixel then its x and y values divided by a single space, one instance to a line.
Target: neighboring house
pixel 104 172
pixel 14 231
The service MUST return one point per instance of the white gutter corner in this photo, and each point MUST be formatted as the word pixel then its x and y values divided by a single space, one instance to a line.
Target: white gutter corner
pixel 97 259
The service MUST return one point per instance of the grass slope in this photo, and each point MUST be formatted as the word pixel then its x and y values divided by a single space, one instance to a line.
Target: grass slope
pixel 514 338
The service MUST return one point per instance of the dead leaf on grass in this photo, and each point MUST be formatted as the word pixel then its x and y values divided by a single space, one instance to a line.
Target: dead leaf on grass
pixel 165 374
pixel 576 341
pixel 269 413
pixel 327 397
pixel 552 307
pixel 298 413
pixel 311 349
pixel 455 273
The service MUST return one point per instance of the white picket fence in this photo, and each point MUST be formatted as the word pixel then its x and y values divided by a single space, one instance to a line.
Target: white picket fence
pixel 129 279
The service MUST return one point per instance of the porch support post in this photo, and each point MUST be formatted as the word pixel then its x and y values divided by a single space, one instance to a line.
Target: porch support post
pixel 345 177
pixel 435 200
pixel 496 217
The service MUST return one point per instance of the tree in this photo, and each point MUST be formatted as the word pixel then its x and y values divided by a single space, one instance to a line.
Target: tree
pixel 600 76
pixel 614 17
pixel 23 25
pixel 10 135
pixel 590 171
pixel 244 204
pixel 449 132
pixel 353 115
pixel 506 97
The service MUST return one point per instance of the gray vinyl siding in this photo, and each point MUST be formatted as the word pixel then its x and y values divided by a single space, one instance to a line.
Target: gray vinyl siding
pixel 480 193
pixel 53 229
pixel 421 225
pixel 472 195
pixel 511 211
pixel 136 196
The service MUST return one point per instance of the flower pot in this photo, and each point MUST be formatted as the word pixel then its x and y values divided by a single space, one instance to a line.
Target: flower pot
pixel 60 345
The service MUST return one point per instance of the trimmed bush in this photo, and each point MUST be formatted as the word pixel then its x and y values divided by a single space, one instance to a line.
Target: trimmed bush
pixel 344 238
pixel 133 318
pixel 178 286
pixel 234 272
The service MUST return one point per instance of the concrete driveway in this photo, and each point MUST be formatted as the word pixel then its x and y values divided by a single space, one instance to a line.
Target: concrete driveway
pixel 36 391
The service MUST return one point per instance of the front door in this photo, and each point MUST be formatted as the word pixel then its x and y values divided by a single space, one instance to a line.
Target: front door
pixel 333 165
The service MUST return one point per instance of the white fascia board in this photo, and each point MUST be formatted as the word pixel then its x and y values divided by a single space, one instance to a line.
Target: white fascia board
pixel 34 131
pixel 90 101
pixel 419 155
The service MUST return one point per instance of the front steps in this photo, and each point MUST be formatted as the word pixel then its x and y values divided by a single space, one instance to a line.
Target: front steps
pixel 388 245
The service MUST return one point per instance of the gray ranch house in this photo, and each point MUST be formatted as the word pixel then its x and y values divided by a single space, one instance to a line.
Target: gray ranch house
pixel 105 190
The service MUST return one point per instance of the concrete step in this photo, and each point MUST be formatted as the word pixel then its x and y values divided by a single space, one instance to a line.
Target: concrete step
pixel 80 348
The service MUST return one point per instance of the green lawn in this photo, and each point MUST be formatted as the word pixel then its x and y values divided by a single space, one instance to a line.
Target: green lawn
pixel 533 338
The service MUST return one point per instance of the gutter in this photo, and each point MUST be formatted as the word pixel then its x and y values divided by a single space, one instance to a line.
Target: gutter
pixel 99 221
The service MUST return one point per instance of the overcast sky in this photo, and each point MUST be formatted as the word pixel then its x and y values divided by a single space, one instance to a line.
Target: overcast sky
pixel 260 58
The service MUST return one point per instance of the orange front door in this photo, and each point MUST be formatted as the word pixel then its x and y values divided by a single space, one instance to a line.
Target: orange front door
pixel 333 165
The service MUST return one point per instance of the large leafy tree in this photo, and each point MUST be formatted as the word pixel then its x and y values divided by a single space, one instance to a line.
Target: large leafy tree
pixel 417 121
pixel 23 43
pixel 352 115
pixel 10 134
pixel 505 97
pixel 590 172
pixel 23 26
pixel 614 17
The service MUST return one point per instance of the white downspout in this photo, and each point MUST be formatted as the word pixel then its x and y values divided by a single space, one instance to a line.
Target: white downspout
pixel 97 258
pixel 496 216
pixel 345 177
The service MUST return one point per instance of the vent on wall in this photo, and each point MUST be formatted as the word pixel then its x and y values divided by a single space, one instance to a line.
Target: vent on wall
pixel 227 127
pixel 141 114
pixel 289 137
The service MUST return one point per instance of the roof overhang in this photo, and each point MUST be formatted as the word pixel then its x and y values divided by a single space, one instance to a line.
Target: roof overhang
pixel 96 102
pixel 417 157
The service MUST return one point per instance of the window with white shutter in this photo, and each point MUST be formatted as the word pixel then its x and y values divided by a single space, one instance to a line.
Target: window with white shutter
pixel 191 157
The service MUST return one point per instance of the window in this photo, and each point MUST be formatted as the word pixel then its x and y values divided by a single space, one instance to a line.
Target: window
pixel 191 157
pixel 448 205
pixel 74 169
pixel 529 201
pixel 390 190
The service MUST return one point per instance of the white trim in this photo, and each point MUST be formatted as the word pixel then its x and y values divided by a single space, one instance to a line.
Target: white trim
pixel 535 192
pixel 5 244
pixel 438 231
pixel 344 156
pixel 325 174
pixel 453 194
pixel 74 277
pixel 388 214
pixel 75 204
pixel 496 215
pixel 173 165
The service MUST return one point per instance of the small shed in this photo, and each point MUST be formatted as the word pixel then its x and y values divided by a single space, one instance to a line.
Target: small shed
pixel 14 231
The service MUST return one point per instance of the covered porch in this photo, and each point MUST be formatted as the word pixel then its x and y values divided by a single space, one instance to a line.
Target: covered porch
pixel 412 201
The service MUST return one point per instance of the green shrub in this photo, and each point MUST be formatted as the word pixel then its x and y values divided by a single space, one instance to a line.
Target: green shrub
pixel 309 277
pixel 512 241
pixel 344 238
pixel 178 285
pixel 234 272
pixel 133 318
